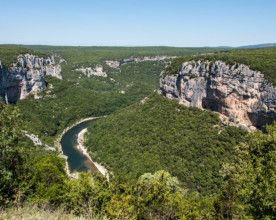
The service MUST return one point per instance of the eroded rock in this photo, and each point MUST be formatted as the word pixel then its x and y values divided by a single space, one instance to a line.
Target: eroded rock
pixel 27 76
pixel 242 96
pixel 90 71
pixel 117 63
pixel 37 142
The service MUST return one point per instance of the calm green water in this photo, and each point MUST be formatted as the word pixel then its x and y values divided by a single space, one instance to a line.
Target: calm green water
pixel 76 159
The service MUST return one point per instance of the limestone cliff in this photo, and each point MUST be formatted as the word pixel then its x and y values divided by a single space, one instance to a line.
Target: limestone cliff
pixel 90 71
pixel 117 63
pixel 242 96
pixel 26 76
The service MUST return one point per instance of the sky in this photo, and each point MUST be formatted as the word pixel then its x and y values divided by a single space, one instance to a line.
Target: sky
pixel 184 23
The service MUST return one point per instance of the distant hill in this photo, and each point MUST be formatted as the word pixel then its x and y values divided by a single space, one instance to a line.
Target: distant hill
pixel 259 45
pixel 253 46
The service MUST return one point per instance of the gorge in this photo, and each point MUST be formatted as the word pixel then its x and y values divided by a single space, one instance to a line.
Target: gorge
pixel 181 136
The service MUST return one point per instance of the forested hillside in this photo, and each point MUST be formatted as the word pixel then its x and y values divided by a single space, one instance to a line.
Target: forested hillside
pixel 34 179
pixel 87 97
pixel 160 134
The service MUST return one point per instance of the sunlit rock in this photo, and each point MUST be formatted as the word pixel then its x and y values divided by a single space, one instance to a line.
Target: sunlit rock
pixel 242 96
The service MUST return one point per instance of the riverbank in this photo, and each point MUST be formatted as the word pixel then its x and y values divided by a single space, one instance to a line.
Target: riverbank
pixel 81 147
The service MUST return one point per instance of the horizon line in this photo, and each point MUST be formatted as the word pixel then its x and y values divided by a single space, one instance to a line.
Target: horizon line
pixel 67 45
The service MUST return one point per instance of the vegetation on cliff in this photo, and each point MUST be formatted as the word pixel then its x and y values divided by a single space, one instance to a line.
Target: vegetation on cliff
pixel 263 60
pixel 9 53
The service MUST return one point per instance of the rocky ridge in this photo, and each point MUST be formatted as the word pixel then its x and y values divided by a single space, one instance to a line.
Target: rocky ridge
pixel 90 71
pixel 117 63
pixel 240 95
pixel 27 76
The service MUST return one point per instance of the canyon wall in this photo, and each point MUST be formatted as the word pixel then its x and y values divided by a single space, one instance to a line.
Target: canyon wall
pixel 26 76
pixel 90 71
pixel 117 63
pixel 240 95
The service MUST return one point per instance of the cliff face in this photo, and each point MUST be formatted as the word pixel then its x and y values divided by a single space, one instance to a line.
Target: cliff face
pixel 242 96
pixel 90 71
pixel 27 76
pixel 117 63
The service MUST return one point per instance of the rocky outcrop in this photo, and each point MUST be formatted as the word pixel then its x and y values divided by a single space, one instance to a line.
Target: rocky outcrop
pixel 37 142
pixel 242 96
pixel 113 64
pixel 89 71
pixel 117 63
pixel 27 76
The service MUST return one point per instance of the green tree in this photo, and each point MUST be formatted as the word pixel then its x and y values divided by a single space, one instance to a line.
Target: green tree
pixel 44 178
pixel 262 157
pixel 159 194
pixel 86 195
pixel 250 184
pixel 10 155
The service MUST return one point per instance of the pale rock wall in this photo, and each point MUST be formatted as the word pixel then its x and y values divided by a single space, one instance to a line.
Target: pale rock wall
pixel 27 76
pixel 242 96
pixel 90 71
pixel 117 63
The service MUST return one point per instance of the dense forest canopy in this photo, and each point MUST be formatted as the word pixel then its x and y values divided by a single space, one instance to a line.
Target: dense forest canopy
pixel 31 175
pixel 160 134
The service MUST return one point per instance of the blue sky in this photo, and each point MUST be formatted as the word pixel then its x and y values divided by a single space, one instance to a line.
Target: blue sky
pixel 138 22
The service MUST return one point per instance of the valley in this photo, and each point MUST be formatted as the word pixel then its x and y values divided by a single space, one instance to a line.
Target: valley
pixel 77 96
pixel 138 110
pixel 176 129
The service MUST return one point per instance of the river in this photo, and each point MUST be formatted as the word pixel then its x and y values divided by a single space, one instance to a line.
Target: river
pixel 77 161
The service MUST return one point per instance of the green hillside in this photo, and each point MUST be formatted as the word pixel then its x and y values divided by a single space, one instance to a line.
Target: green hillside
pixel 161 134
pixel 87 97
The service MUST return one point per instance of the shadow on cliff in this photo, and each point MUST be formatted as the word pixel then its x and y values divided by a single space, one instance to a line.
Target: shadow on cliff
pixel 261 119
pixel 10 89
pixel 13 92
